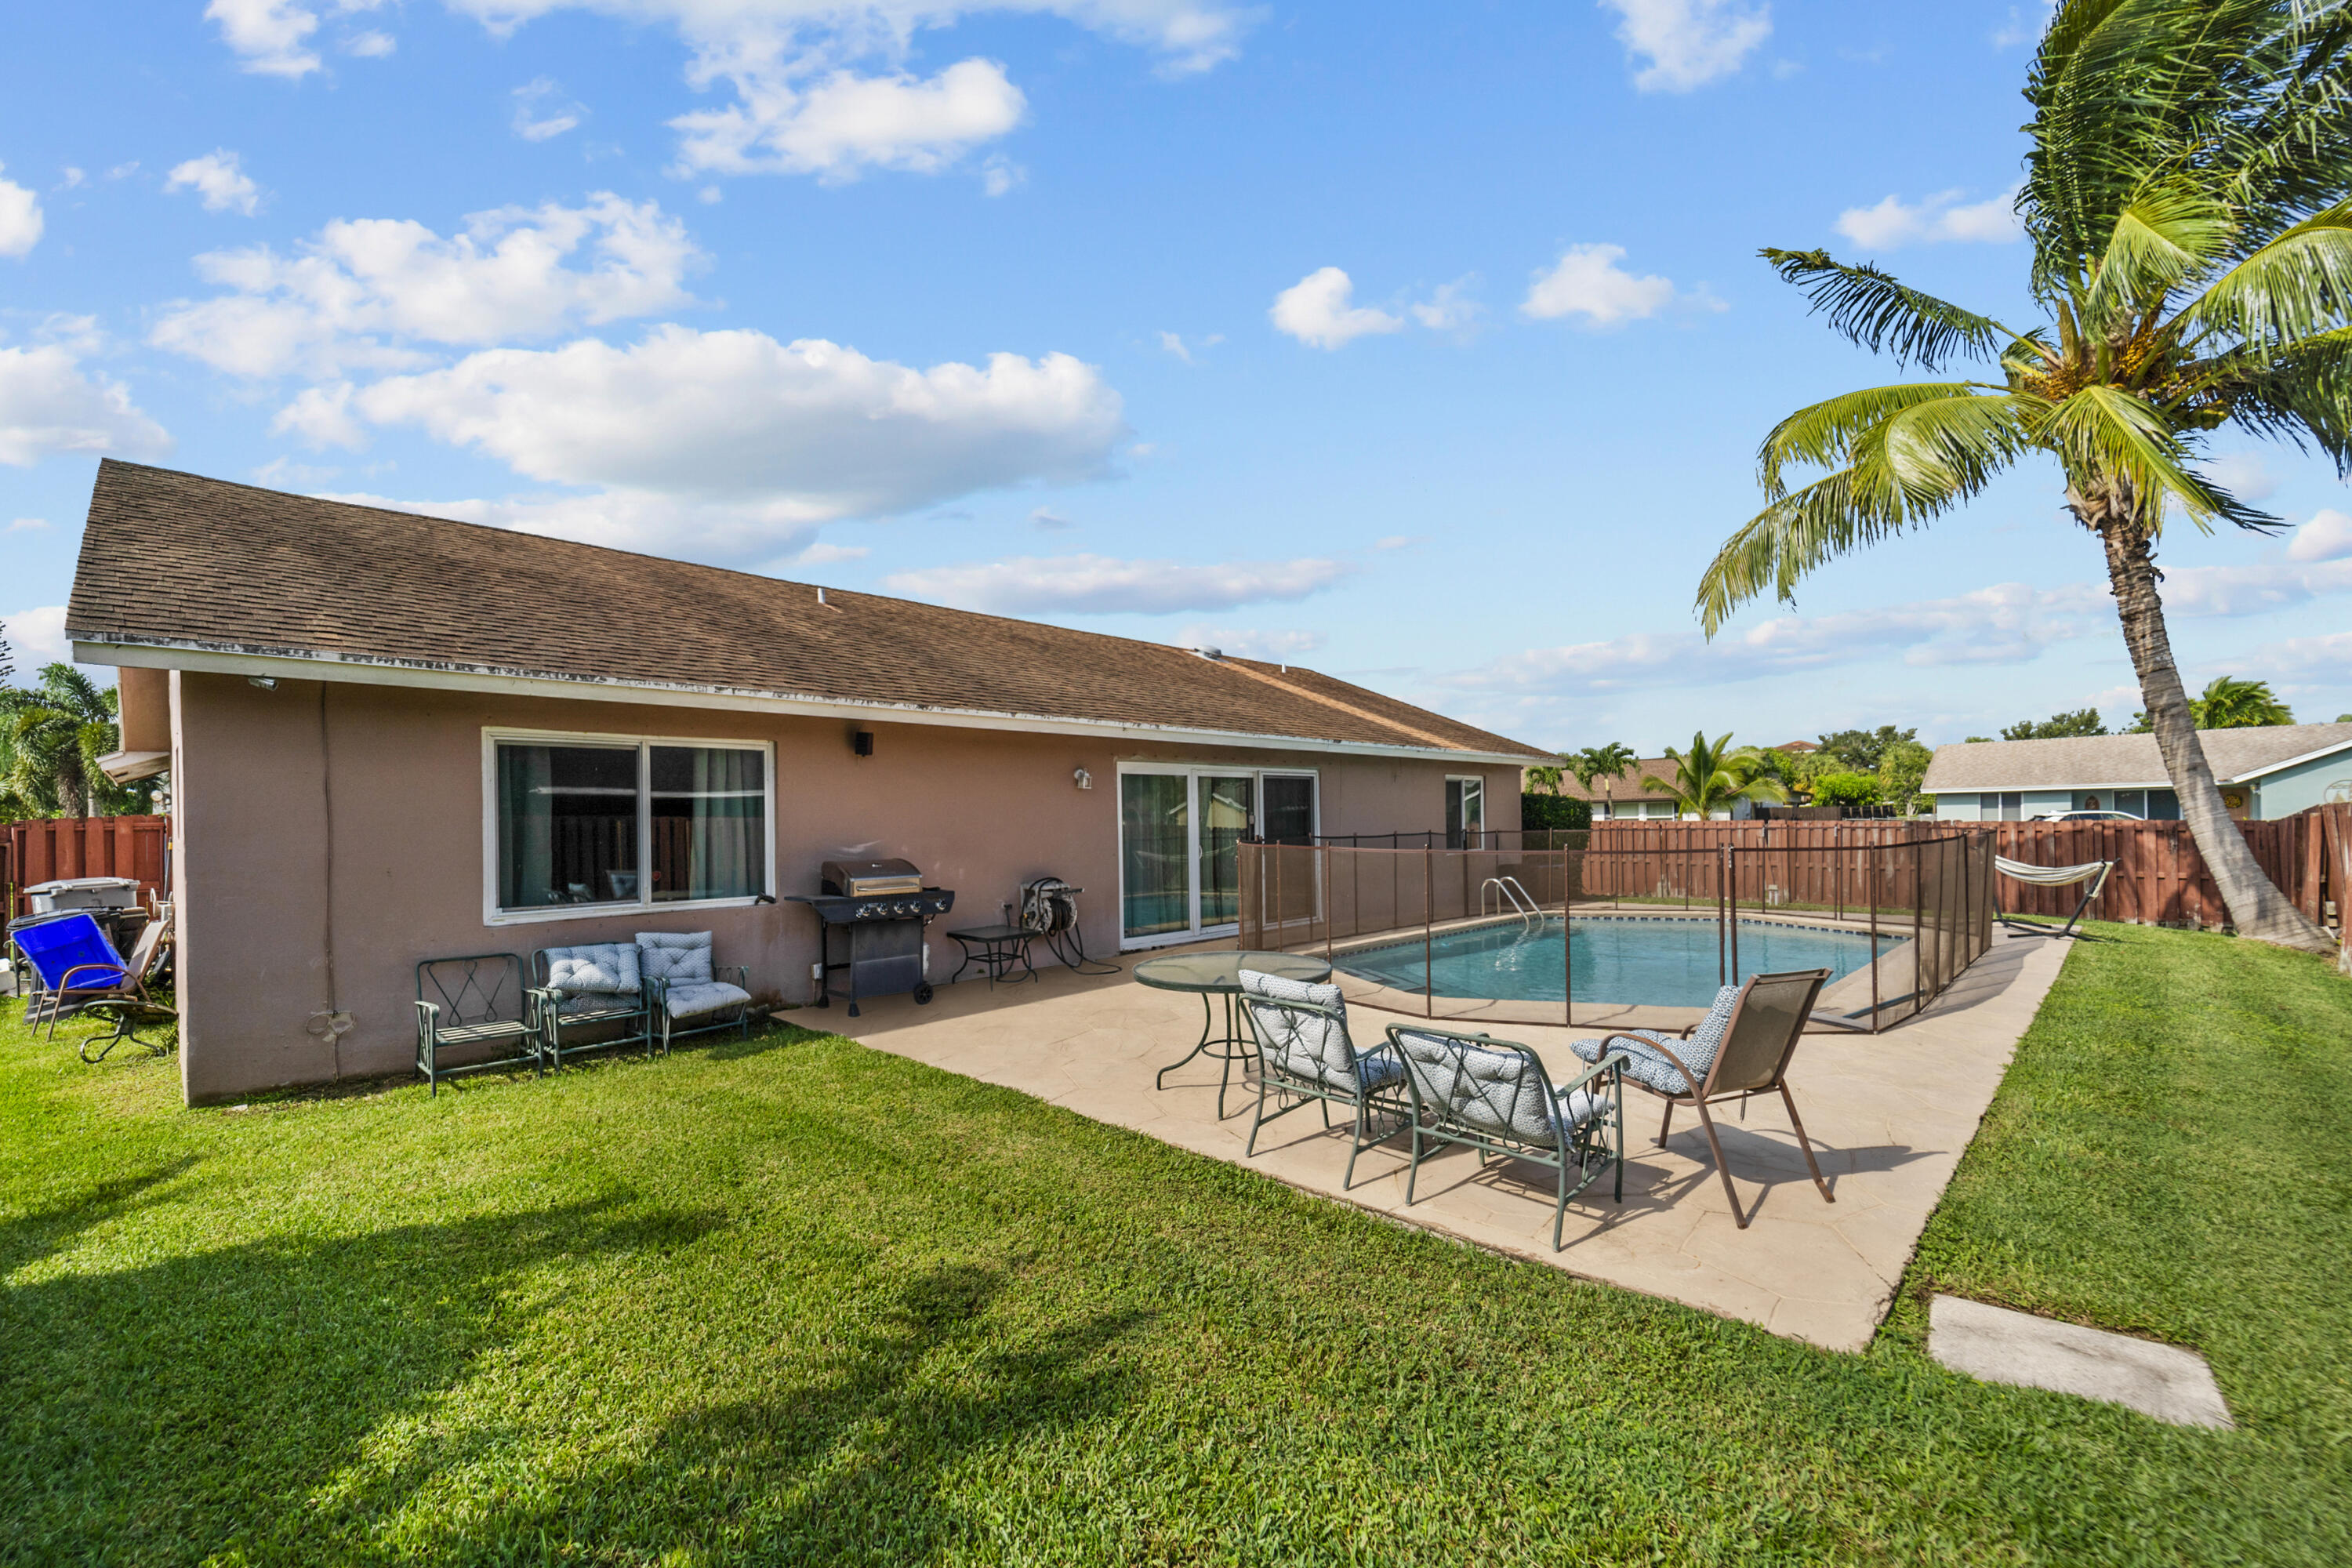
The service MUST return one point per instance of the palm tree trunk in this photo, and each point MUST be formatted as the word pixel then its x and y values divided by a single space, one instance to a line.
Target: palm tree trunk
pixel 2257 908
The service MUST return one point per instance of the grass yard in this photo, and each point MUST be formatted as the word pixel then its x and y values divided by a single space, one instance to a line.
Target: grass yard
pixel 801 1301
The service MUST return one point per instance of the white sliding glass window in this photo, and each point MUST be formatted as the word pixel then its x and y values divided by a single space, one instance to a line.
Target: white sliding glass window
pixel 1466 813
pixel 1181 831
pixel 590 823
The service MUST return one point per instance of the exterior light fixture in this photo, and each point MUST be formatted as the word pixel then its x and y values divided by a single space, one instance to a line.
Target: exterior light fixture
pixel 267 683
pixel 1085 779
pixel 862 742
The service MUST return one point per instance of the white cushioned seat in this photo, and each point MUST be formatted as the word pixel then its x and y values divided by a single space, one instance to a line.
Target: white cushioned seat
pixel 600 968
pixel 691 998
pixel 676 956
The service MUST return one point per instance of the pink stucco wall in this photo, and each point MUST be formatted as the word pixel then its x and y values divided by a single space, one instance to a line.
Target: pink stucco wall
pixel 255 772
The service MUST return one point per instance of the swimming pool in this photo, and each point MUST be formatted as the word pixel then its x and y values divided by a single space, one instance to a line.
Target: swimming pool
pixel 1658 962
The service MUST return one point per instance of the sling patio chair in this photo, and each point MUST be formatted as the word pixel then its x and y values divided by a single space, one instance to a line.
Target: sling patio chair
pixel 1739 1050
pixel 80 971
pixel 1496 1098
pixel 1304 1058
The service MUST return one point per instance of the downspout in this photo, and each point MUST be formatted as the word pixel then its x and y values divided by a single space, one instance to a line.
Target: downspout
pixel 329 1022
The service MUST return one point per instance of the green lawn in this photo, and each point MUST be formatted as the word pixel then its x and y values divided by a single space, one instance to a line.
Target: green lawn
pixel 799 1302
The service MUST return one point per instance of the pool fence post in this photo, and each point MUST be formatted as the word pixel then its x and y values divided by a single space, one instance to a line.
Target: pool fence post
pixel 1428 898
pixel 1870 854
pixel 1720 886
pixel 1567 950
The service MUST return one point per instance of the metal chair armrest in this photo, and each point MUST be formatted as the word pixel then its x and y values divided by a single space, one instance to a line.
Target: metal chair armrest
pixel 65 982
pixel 1697 1084
pixel 1614 1059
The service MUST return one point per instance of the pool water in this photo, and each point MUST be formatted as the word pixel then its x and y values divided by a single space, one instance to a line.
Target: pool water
pixel 1642 962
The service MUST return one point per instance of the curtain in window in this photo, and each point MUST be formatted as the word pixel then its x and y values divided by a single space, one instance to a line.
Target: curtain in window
pixel 710 823
pixel 1225 818
pixel 567 825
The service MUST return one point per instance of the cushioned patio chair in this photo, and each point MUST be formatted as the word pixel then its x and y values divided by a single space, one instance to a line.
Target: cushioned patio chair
pixel 1494 1097
pixel 470 1003
pixel 684 989
pixel 594 987
pixel 1304 1058
pixel 1740 1048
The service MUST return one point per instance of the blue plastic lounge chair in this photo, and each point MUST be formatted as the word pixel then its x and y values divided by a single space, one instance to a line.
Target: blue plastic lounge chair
pixel 80 971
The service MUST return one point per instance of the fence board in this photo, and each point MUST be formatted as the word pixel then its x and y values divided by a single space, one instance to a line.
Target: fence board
pixel 55 849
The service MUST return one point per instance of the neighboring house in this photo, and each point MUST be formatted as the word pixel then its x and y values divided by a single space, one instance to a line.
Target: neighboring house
pixel 1624 799
pixel 391 738
pixel 2266 772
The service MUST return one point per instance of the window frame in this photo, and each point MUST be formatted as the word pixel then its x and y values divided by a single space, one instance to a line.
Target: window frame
pixel 1191 772
pixel 1462 829
pixel 494 914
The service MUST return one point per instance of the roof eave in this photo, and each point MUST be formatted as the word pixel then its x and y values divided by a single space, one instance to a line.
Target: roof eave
pixel 299 664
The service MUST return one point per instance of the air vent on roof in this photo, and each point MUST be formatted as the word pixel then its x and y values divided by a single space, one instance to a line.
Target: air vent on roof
pixel 1209 652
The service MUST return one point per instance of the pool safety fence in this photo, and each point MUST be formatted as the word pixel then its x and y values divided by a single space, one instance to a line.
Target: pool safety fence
pixel 1925 903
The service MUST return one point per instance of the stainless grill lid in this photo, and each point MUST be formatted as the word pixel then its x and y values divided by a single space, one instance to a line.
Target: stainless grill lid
pixel 861 878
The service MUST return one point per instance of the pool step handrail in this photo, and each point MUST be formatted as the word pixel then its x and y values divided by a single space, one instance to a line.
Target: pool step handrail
pixel 1509 891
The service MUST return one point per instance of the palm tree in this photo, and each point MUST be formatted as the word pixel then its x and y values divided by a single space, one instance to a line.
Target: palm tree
pixel 2186 196
pixel 1544 778
pixel 1711 775
pixel 56 732
pixel 1607 764
pixel 2232 704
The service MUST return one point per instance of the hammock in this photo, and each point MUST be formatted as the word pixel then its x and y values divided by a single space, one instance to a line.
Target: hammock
pixel 2094 872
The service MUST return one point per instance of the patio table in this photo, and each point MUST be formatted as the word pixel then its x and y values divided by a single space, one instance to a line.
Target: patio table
pixel 1219 975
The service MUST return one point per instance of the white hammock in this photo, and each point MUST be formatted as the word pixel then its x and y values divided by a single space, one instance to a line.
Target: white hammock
pixel 2094 872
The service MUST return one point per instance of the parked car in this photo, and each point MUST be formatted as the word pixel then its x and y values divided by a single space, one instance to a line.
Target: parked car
pixel 2088 816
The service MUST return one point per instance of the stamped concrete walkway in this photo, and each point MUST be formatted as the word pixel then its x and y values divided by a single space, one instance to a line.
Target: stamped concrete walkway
pixel 1888 1115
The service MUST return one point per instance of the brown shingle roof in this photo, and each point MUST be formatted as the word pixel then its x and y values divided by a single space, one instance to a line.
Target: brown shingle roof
pixel 1627 786
pixel 2106 762
pixel 180 559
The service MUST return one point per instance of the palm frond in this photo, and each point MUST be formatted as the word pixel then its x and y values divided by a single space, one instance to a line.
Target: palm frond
pixel 1885 316
pixel 2167 233
pixel 1942 451
pixel 2298 284
pixel 1788 539
pixel 1824 434
pixel 2104 431
pixel 2302 394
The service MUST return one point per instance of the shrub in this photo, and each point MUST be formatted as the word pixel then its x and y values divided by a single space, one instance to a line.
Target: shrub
pixel 1845 789
pixel 1554 811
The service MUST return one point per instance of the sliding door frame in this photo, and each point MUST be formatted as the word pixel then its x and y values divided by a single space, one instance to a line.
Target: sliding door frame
pixel 1193 773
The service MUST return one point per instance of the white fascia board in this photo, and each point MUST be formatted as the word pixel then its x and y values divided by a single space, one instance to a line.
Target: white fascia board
pixel 2253 774
pixel 223 660
pixel 1926 788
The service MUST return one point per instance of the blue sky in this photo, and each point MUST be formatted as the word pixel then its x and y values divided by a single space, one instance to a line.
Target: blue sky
pixel 1424 344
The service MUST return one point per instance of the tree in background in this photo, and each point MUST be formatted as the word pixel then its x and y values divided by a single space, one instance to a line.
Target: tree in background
pixel 55 732
pixel 1900 773
pixel 2228 703
pixel 1846 789
pixel 2188 198
pixel 1713 775
pixel 1861 751
pixel 2057 726
pixel 1607 764
pixel 1543 778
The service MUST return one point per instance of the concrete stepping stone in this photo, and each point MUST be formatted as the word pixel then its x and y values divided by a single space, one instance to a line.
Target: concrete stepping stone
pixel 2000 1346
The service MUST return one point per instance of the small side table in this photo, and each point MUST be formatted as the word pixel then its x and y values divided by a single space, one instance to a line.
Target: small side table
pixel 996 949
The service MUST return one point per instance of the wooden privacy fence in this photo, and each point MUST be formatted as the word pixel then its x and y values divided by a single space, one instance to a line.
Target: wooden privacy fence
pixel 2159 877
pixel 50 850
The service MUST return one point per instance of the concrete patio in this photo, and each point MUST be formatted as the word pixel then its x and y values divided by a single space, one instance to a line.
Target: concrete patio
pixel 1889 1116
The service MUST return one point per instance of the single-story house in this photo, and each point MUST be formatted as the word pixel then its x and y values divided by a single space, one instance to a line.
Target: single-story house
pixel 1624 799
pixel 2264 773
pixel 391 738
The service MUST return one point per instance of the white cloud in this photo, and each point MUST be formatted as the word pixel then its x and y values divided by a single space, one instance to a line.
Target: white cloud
pixel 1175 345
pixel 1588 282
pixel 371 45
pixel 47 405
pixel 821 554
pixel 1098 584
pixel 999 174
pixel 216 177
pixel 537 119
pixel 39 637
pixel 271 37
pixel 2328 656
pixel 1689 43
pixel 646 521
pixel 2025 25
pixel 1449 308
pixel 1277 648
pixel 2245 474
pixel 1050 521
pixel 843 125
pixel 2327 537
pixel 28 525
pixel 1894 222
pixel 1317 312
pixel 1400 540
pixel 806 431
pixel 20 219
pixel 364 287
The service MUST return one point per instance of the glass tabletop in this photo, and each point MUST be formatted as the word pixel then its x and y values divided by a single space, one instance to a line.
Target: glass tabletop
pixel 1223 971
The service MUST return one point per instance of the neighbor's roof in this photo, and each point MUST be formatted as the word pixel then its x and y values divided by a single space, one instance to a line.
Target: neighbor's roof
pixel 1625 786
pixel 201 568
pixel 2123 762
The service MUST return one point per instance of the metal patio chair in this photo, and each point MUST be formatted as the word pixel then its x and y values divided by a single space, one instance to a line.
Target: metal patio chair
pixel 1741 1049
pixel 683 987
pixel 597 985
pixel 1494 1097
pixel 1305 1056
pixel 476 1000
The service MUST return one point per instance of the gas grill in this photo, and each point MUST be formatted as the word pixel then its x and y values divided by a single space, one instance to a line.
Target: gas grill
pixel 878 909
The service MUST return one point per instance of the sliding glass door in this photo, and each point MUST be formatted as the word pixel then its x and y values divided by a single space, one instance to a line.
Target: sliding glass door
pixel 1181 831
